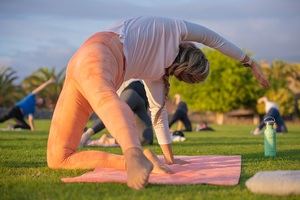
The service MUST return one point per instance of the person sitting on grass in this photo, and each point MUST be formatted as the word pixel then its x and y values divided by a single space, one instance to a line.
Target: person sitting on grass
pixel 203 126
pixel 26 107
pixel 272 110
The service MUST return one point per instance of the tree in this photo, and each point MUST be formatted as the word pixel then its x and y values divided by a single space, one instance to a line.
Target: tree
pixel 284 98
pixel 9 92
pixel 41 75
pixel 284 85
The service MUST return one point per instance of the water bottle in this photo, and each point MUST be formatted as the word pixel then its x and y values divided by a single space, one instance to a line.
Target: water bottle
pixel 270 137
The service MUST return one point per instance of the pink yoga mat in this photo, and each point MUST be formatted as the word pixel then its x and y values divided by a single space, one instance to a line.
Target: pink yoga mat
pixel 214 170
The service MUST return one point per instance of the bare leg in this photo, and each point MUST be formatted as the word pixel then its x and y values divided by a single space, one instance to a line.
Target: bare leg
pixel 93 80
pixel 98 85
pixel 64 136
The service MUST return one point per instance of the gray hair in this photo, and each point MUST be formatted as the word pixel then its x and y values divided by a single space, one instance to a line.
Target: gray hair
pixel 190 66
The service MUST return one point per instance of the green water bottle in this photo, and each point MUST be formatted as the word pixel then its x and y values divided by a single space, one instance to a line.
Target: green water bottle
pixel 270 137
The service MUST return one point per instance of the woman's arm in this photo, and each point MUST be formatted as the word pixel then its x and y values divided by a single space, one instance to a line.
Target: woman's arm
pixel 168 155
pixel 156 98
pixel 43 86
pixel 257 72
pixel 30 121
pixel 201 34
pixel 155 95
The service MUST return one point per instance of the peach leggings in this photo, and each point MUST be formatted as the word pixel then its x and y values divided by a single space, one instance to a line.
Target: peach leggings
pixel 93 75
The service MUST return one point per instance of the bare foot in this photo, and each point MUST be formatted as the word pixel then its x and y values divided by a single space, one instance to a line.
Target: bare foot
pixel 86 136
pixel 138 168
pixel 158 166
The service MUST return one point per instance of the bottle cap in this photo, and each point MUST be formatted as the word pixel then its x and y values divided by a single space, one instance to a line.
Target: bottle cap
pixel 269 120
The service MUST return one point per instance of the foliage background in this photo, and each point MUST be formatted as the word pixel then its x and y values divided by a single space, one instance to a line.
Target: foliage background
pixel 229 86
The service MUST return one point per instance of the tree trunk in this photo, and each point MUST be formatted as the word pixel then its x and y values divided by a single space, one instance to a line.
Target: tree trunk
pixel 219 118
pixel 256 120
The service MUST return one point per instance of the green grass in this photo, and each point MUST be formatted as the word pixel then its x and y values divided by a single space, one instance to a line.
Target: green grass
pixel 24 173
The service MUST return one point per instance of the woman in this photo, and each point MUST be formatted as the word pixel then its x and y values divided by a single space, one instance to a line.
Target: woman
pixel 147 48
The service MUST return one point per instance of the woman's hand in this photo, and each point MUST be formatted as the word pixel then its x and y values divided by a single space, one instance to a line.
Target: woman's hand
pixel 158 166
pixel 169 158
pixel 177 161
pixel 257 72
pixel 52 80
pixel 180 161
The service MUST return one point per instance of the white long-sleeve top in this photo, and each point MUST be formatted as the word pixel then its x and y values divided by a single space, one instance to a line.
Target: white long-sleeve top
pixel 151 44
pixel 269 105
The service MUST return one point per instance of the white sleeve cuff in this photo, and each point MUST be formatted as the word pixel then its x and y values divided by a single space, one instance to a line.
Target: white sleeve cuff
pixel 163 135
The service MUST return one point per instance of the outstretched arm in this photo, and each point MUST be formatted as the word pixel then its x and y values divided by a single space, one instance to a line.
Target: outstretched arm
pixel 155 95
pixel 201 34
pixel 256 71
pixel 41 87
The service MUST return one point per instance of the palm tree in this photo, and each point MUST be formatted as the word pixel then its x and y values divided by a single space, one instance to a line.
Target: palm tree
pixel 51 93
pixel 56 88
pixel 9 92
pixel 277 74
pixel 294 86
pixel 293 77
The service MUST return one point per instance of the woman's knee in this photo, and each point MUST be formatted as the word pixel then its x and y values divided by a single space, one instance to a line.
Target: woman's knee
pixel 53 165
pixel 56 159
pixel 53 162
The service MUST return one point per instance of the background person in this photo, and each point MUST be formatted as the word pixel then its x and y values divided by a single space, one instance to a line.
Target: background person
pixel 181 114
pixel 203 126
pixel 272 110
pixel 26 108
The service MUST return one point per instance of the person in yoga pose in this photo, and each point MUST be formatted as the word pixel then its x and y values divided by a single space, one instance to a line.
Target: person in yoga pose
pixel 26 108
pixel 133 93
pixel 147 48
pixel 272 110
pixel 181 114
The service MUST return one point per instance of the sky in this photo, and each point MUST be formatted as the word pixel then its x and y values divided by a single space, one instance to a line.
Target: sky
pixel 39 33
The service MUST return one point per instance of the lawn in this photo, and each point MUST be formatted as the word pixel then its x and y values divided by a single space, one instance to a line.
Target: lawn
pixel 25 175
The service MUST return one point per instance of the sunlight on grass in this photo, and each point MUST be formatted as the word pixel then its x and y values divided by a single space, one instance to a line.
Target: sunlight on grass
pixel 25 175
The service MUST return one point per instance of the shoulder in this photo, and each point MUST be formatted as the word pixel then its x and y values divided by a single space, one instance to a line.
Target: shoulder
pixel 31 95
